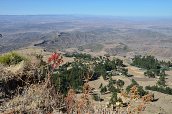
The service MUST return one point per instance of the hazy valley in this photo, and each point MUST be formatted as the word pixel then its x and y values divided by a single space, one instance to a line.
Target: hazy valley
pixel 140 36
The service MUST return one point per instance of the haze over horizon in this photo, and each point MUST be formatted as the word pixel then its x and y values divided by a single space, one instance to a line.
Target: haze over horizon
pixel 123 8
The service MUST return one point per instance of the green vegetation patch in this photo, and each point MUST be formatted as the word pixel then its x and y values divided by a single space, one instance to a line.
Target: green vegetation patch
pixel 11 58
pixel 141 91
pixel 153 66
pixel 160 86
pixel 70 75
pixel 83 56
pixel 165 90
pixel 96 97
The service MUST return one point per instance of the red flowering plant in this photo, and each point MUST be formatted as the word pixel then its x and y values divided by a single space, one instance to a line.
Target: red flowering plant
pixel 55 60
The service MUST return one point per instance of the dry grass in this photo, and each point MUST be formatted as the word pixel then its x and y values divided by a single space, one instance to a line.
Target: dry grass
pixel 35 99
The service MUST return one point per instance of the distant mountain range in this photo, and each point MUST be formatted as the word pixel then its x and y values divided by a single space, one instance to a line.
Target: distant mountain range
pixel 151 36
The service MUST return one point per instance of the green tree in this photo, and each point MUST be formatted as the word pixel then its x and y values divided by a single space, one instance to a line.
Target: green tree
pixel 120 83
pixel 124 71
pixel 103 90
pixel 141 91
pixel 149 74
pixel 113 99
pixel 101 85
pixel 161 81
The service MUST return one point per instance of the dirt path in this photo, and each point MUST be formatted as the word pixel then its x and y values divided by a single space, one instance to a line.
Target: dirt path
pixel 135 71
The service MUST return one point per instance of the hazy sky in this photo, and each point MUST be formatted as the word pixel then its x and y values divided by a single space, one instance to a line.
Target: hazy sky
pixel 87 7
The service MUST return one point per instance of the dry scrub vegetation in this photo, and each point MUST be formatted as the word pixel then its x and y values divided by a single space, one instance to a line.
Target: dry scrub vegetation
pixel 38 87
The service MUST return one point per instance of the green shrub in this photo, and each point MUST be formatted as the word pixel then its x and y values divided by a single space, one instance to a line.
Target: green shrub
pixel 101 85
pixel 103 90
pixel 149 74
pixel 161 81
pixel 120 83
pixel 113 99
pixel 96 97
pixel 11 58
pixel 141 91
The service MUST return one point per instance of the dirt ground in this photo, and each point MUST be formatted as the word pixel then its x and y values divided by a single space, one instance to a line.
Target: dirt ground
pixel 162 106
pixel 164 102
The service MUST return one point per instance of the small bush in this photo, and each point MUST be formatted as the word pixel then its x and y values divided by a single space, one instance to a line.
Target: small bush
pixel 103 90
pixel 11 58
pixel 96 97
pixel 120 83
pixel 149 74
pixel 101 85
pixel 141 91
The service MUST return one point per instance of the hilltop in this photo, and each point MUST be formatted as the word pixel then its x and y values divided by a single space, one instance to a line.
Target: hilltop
pixel 27 84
